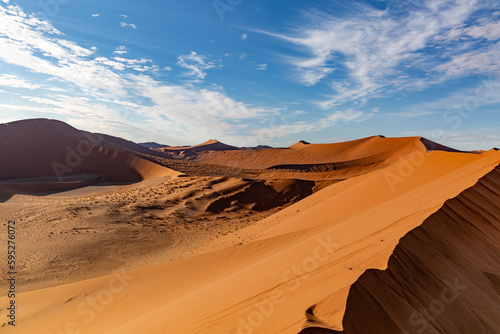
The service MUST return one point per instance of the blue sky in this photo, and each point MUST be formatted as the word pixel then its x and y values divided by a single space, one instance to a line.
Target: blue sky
pixel 256 72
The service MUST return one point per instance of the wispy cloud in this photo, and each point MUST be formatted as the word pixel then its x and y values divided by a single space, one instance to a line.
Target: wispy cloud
pixel 14 81
pixel 34 44
pixel 96 15
pixel 141 65
pixel 373 50
pixel 488 29
pixel 484 60
pixel 329 120
pixel 484 93
pixel 244 36
pixel 196 64
pixel 261 67
pixel 120 50
pixel 131 25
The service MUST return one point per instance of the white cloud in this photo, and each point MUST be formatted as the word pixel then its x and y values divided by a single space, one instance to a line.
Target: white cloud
pixel 131 25
pixel 34 44
pixel 124 16
pixel 138 64
pixel 261 67
pixel 75 48
pixel 467 100
pixel 9 80
pixel 96 15
pixel 196 64
pixel 488 29
pixel 133 61
pixel 372 46
pixel 350 115
pixel 244 36
pixel 484 60
pixel 200 112
pixel 120 50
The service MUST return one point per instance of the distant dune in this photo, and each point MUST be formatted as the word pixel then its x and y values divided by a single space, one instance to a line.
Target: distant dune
pixel 45 155
pixel 373 149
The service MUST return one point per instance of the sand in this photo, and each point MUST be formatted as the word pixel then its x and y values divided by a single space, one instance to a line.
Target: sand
pixel 372 237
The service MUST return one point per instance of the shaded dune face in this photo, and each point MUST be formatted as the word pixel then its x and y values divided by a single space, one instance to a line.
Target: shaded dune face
pixel 33 153
pixel 443 277
pixel 263 196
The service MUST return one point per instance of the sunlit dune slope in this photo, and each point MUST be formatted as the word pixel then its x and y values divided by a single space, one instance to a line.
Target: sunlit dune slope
pixel 443 277
pixel 335 162
pixel 306 255
pixel 372 149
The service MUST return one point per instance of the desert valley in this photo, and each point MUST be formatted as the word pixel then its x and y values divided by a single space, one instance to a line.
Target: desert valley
pixel 375 235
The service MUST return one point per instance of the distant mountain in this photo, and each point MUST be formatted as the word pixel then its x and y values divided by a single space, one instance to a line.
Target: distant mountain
pixel 153 145
pixel 209 145
pixel 259 147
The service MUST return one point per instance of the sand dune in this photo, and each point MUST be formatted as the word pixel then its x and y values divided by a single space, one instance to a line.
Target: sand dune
pixel 375 148
pixel 304 161
pixel 99 139
pixel 444 276
pixel 291 268
pixel 42 154
pixel 366 236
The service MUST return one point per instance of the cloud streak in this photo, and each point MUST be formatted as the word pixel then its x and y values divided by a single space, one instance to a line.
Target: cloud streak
pixel 196 64
pixel 376 52
pixel 131 25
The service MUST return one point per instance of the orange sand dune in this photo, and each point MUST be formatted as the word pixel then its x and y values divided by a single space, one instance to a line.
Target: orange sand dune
pixel 374 149
pixel 295 266
pixel 320 162
pixel 444 276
